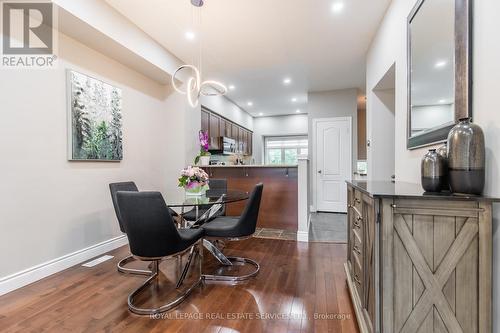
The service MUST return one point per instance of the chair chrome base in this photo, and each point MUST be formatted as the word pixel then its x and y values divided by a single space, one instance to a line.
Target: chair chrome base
pixel 228 261
pixel 155 273
pixel 238 278
pixel 122 269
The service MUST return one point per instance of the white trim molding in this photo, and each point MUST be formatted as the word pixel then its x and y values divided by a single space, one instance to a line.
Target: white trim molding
pixel 303 200
pixel 303 236
pixel 35 273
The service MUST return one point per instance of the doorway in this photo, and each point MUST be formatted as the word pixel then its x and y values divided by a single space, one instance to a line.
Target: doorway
pixel 332 162
pixel 381 118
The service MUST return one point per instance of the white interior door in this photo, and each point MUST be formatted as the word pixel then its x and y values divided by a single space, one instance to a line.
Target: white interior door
pixel 333 156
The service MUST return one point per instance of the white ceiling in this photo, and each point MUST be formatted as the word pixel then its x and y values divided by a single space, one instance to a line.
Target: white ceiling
pixel 255 44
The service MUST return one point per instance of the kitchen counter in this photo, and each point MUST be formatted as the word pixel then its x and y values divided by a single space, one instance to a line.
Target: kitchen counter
pixel 278 208
pixel 252 166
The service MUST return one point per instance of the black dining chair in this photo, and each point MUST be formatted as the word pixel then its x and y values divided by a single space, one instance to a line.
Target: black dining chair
pixel 130 187
pixel 226 228
pixel 218 187
pixel 153 237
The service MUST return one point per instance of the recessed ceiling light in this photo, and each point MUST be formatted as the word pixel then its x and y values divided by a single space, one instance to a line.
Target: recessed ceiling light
pixel 441 64
pixel 298 111
pixel 294 99
pixel 442 101
pixel 232 87
pixel 337 7
pixel 287 81
pixel 261 114
pixel 250 103
pixel 189 35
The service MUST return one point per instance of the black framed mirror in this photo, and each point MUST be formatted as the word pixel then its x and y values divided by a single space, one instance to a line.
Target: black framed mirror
pixel 439 69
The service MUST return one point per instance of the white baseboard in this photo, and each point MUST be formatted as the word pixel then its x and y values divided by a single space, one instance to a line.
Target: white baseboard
pixel 302 236
pixel 30 275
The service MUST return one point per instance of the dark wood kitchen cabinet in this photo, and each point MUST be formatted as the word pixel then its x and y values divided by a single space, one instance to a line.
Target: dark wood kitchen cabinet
pixel 205 121
pixel 240 140
pixel 217 126
pixel 214 125
pixel 222 127
pixel 250 143
pixel 214 133
pixel 234 132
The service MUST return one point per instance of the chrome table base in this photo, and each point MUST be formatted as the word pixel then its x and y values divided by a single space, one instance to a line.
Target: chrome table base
pixel 228 261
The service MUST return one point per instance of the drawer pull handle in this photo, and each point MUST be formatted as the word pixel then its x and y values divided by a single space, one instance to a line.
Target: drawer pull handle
pixel 356 249
pixel 359 218
pixel 356 200
pixel 357 225
pixel 356 278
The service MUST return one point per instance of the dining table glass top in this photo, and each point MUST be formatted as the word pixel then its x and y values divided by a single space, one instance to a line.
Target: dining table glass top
pixel 211 197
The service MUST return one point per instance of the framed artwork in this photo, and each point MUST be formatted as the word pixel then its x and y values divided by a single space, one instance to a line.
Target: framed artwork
pixel 95 119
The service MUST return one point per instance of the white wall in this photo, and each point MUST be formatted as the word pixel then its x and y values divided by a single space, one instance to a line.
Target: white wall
pixel 336 103
pixel 50 207
pixel 389 46
pixel 276 126
pixel 381 136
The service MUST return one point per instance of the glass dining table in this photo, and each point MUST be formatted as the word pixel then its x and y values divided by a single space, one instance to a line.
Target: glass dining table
pixel 209 204
pixel 212 200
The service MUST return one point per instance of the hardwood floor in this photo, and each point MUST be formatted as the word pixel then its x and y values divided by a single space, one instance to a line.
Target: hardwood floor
pixel 296 281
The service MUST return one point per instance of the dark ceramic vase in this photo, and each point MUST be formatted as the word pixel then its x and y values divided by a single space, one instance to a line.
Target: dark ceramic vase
pixel 433 171
pixel 443 151
pixel 466 158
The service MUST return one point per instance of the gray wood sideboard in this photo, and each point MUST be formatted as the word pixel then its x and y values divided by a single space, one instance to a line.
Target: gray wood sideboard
pixel 418 262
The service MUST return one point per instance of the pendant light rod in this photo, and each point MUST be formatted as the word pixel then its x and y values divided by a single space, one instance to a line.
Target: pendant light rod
pixel 195 87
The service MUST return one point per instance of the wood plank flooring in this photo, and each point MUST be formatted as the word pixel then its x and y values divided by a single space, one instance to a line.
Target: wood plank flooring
pixel 296 281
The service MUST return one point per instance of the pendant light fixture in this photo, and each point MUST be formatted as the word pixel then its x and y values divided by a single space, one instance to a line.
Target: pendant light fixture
pixel 194 86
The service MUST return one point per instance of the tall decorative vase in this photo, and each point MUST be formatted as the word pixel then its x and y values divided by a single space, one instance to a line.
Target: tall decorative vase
pixel 466 158
pixel 433 171
pixel 443 152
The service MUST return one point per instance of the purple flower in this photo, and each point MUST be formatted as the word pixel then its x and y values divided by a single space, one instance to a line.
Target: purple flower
pixel 203 136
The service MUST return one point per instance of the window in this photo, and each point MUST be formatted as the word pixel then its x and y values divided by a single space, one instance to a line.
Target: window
pixel 285 149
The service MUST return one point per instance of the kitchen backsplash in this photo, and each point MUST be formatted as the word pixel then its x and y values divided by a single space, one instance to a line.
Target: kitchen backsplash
pixel 231 159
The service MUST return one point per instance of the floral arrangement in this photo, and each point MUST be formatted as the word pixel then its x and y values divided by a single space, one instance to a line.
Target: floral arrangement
pixel 204 145
pixel 193 179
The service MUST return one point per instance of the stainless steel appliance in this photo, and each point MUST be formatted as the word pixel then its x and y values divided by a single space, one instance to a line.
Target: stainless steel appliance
pixel 228 146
